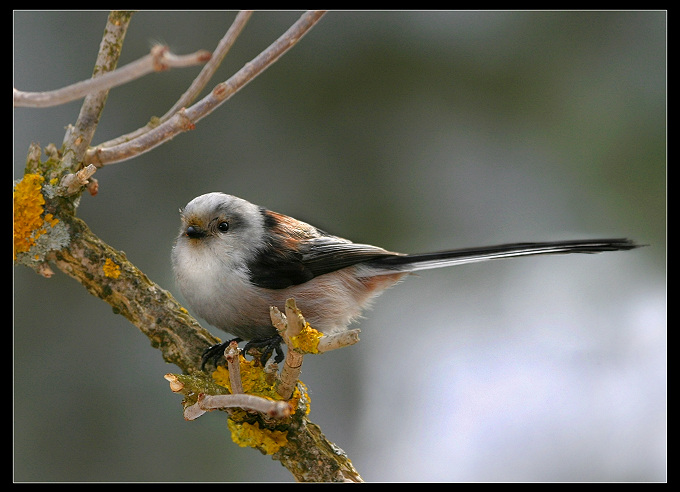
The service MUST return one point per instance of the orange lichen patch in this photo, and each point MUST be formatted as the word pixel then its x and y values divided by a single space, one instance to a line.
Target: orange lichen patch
pixel 29 222
pixel 268 441
pixel 111 269
pixel 253 379
pixel 308 340
pixel 255 382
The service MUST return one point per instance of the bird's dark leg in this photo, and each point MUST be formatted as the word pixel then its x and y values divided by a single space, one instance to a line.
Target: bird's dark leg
pixel 215 352
pixel 267 346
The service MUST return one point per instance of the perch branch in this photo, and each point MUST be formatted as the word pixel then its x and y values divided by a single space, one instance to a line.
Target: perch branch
pixel 131 293
pixel 289 326
pixel 185 120
pixel 234 366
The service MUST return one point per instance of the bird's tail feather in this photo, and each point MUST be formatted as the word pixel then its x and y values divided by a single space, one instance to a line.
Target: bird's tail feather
pixel 424 261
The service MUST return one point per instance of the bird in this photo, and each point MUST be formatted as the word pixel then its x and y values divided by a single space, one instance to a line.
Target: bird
pixel 233 260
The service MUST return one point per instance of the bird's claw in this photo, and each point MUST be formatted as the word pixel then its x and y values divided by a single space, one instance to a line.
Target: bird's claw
pixel 215 352
pixel 267 346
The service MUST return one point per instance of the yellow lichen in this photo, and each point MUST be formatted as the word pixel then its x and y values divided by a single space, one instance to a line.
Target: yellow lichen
pixel 253 379
pixel 250 435
pixel 29 223
pixel 254 382
pixel 111 269
pixel 308 340
pixel 243 432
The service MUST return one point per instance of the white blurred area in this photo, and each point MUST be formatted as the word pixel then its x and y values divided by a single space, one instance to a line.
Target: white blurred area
pixel 523 393
pixel 414 131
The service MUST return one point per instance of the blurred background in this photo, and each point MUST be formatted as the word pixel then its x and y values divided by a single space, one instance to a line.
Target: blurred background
pixel 415 131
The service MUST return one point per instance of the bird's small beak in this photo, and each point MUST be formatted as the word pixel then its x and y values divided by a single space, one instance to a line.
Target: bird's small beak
pixel 194 232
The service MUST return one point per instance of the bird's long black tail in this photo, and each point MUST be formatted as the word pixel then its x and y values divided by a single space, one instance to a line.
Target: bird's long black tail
pixel 424 261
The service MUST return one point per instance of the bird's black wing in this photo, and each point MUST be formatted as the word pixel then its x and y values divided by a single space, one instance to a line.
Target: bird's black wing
pixel 298 252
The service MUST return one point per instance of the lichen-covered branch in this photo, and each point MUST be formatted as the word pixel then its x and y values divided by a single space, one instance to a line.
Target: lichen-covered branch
pixel 310 457
pixel 262 419
pixel 106 273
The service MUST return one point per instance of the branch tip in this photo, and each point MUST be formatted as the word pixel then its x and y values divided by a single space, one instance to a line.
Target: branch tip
pixel 175 384
pixel 73 182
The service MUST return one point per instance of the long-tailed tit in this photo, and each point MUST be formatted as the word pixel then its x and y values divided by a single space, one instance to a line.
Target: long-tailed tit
pixel 233 260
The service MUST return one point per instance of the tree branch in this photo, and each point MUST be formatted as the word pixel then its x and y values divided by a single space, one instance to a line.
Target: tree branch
pixel 78 137
pixel 45 204
pixel 281 428
pixel 210 68
pixel 197 85
pixel 159 59
pixel 107 274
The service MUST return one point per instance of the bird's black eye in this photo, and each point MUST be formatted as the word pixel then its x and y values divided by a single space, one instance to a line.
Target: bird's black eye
pixel 223 226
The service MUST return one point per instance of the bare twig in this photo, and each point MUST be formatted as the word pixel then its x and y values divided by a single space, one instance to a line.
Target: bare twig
pixel 289 326
pixel 205 402
pixel 338 340
pixel 79 136
pixel 209 69
pixel 199 82
pixel 185 120
pixel 159 59
pixel 234 367
pixel 271 408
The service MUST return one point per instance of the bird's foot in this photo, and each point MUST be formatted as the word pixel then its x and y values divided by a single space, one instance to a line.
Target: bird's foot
pixel 266 347
pixel 215 352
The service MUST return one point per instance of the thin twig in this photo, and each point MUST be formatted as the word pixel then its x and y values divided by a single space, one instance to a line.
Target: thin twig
pixel 78 137
pixel 158 60
pixel 205 402
pixel 270 408
pixel 199 82
pixel 185 120
pixel 234 367
pixel 209 69
pixel 338 340
pixel 289 326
